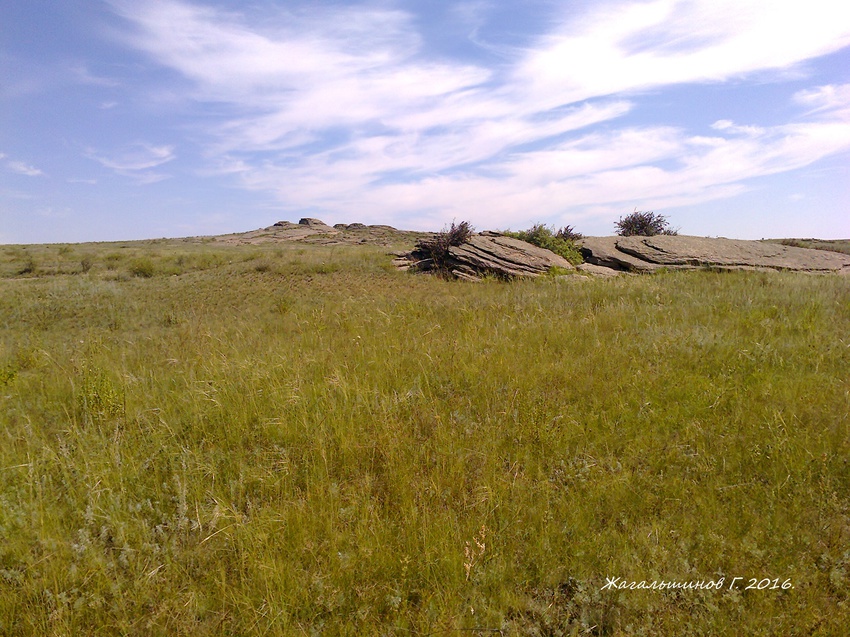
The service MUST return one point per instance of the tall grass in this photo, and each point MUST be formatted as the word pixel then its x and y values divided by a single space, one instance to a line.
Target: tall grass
pixel 323 445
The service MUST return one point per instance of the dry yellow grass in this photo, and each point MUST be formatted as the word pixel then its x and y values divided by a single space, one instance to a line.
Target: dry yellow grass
pixel 300 440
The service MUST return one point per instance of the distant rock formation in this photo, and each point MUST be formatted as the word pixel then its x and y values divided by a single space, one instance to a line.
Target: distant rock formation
pixel 316 232
pixel 313 223
pixel 678 252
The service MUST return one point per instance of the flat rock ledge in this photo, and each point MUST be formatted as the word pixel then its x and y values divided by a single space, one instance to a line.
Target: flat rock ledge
pixel 487 253
pixel 674 252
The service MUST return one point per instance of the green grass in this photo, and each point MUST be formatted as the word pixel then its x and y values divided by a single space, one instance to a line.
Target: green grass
pixel 290 441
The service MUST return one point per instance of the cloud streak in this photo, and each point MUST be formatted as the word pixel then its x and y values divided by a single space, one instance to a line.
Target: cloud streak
pixel 343 109
pixel 136 161
pixel 19 167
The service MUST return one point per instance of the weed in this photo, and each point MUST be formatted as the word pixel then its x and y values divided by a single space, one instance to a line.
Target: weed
pixel 99 400
pixel 473 551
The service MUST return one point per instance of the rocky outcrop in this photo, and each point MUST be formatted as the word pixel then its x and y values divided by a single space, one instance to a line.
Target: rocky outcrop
pixel 599 270
pixel 316 232
pixel 603 251
pixel 486 253
pixel 648 254
pixel 314 223
pixel 351 226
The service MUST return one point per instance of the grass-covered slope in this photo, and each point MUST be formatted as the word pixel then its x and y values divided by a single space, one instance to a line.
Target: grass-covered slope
pixel 287 441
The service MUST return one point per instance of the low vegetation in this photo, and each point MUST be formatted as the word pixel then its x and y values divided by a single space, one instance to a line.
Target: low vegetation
pixel 834 245
pixel 279 440
pixel 644 224
pixel 562 242
pixel 437 247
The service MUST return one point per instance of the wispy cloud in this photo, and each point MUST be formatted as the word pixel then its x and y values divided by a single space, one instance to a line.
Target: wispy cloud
pixel 825 98
pixel 624 46
pixel 20 167
pixel 136 161
pixel 26 77
pixel 342 108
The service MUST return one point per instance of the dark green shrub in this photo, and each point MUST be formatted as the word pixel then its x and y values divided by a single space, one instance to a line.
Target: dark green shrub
pixel 643 224
pixel 561 242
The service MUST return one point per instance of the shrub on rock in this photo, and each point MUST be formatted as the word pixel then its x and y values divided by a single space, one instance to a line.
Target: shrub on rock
pixel 437 248
pixel 643 224
pixel 561 242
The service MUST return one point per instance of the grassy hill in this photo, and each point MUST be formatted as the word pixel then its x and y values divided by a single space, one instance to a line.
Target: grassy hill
pixel 206 439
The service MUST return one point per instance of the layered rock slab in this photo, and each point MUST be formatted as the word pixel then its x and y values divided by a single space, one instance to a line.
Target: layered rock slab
pixel 490 253
pixel 647 254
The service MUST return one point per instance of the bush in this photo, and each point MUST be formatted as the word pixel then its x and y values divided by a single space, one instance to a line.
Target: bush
pixel 561 242
pixel 643 224
pixel 143 267
pixel 568 233
pixel 437 247
pixel 29 267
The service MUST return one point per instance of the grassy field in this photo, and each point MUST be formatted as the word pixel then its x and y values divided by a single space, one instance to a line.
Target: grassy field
pixel 280 440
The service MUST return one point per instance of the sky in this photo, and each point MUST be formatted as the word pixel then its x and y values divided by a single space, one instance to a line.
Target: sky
pixel 132 119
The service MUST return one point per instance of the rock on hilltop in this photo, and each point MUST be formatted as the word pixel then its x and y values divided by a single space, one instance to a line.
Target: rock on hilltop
pixel 317 232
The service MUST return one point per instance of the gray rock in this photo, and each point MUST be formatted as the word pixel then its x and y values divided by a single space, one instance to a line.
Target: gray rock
pixel 491 253
pixel 603 251
pixel 598 270
pixel 312 223
pixel 465 273
pixel 646 254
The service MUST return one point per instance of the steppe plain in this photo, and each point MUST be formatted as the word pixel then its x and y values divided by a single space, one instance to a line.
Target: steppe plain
pixel 270 435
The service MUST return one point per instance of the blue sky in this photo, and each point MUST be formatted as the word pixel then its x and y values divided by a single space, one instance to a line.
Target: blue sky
pixel 126 119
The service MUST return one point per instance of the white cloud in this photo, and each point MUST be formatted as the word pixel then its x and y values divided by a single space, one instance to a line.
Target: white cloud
pixel 823 98
pixel 341 109
pixel 629 45
pixel 20 167
pixel 729 126
pixel 136 161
